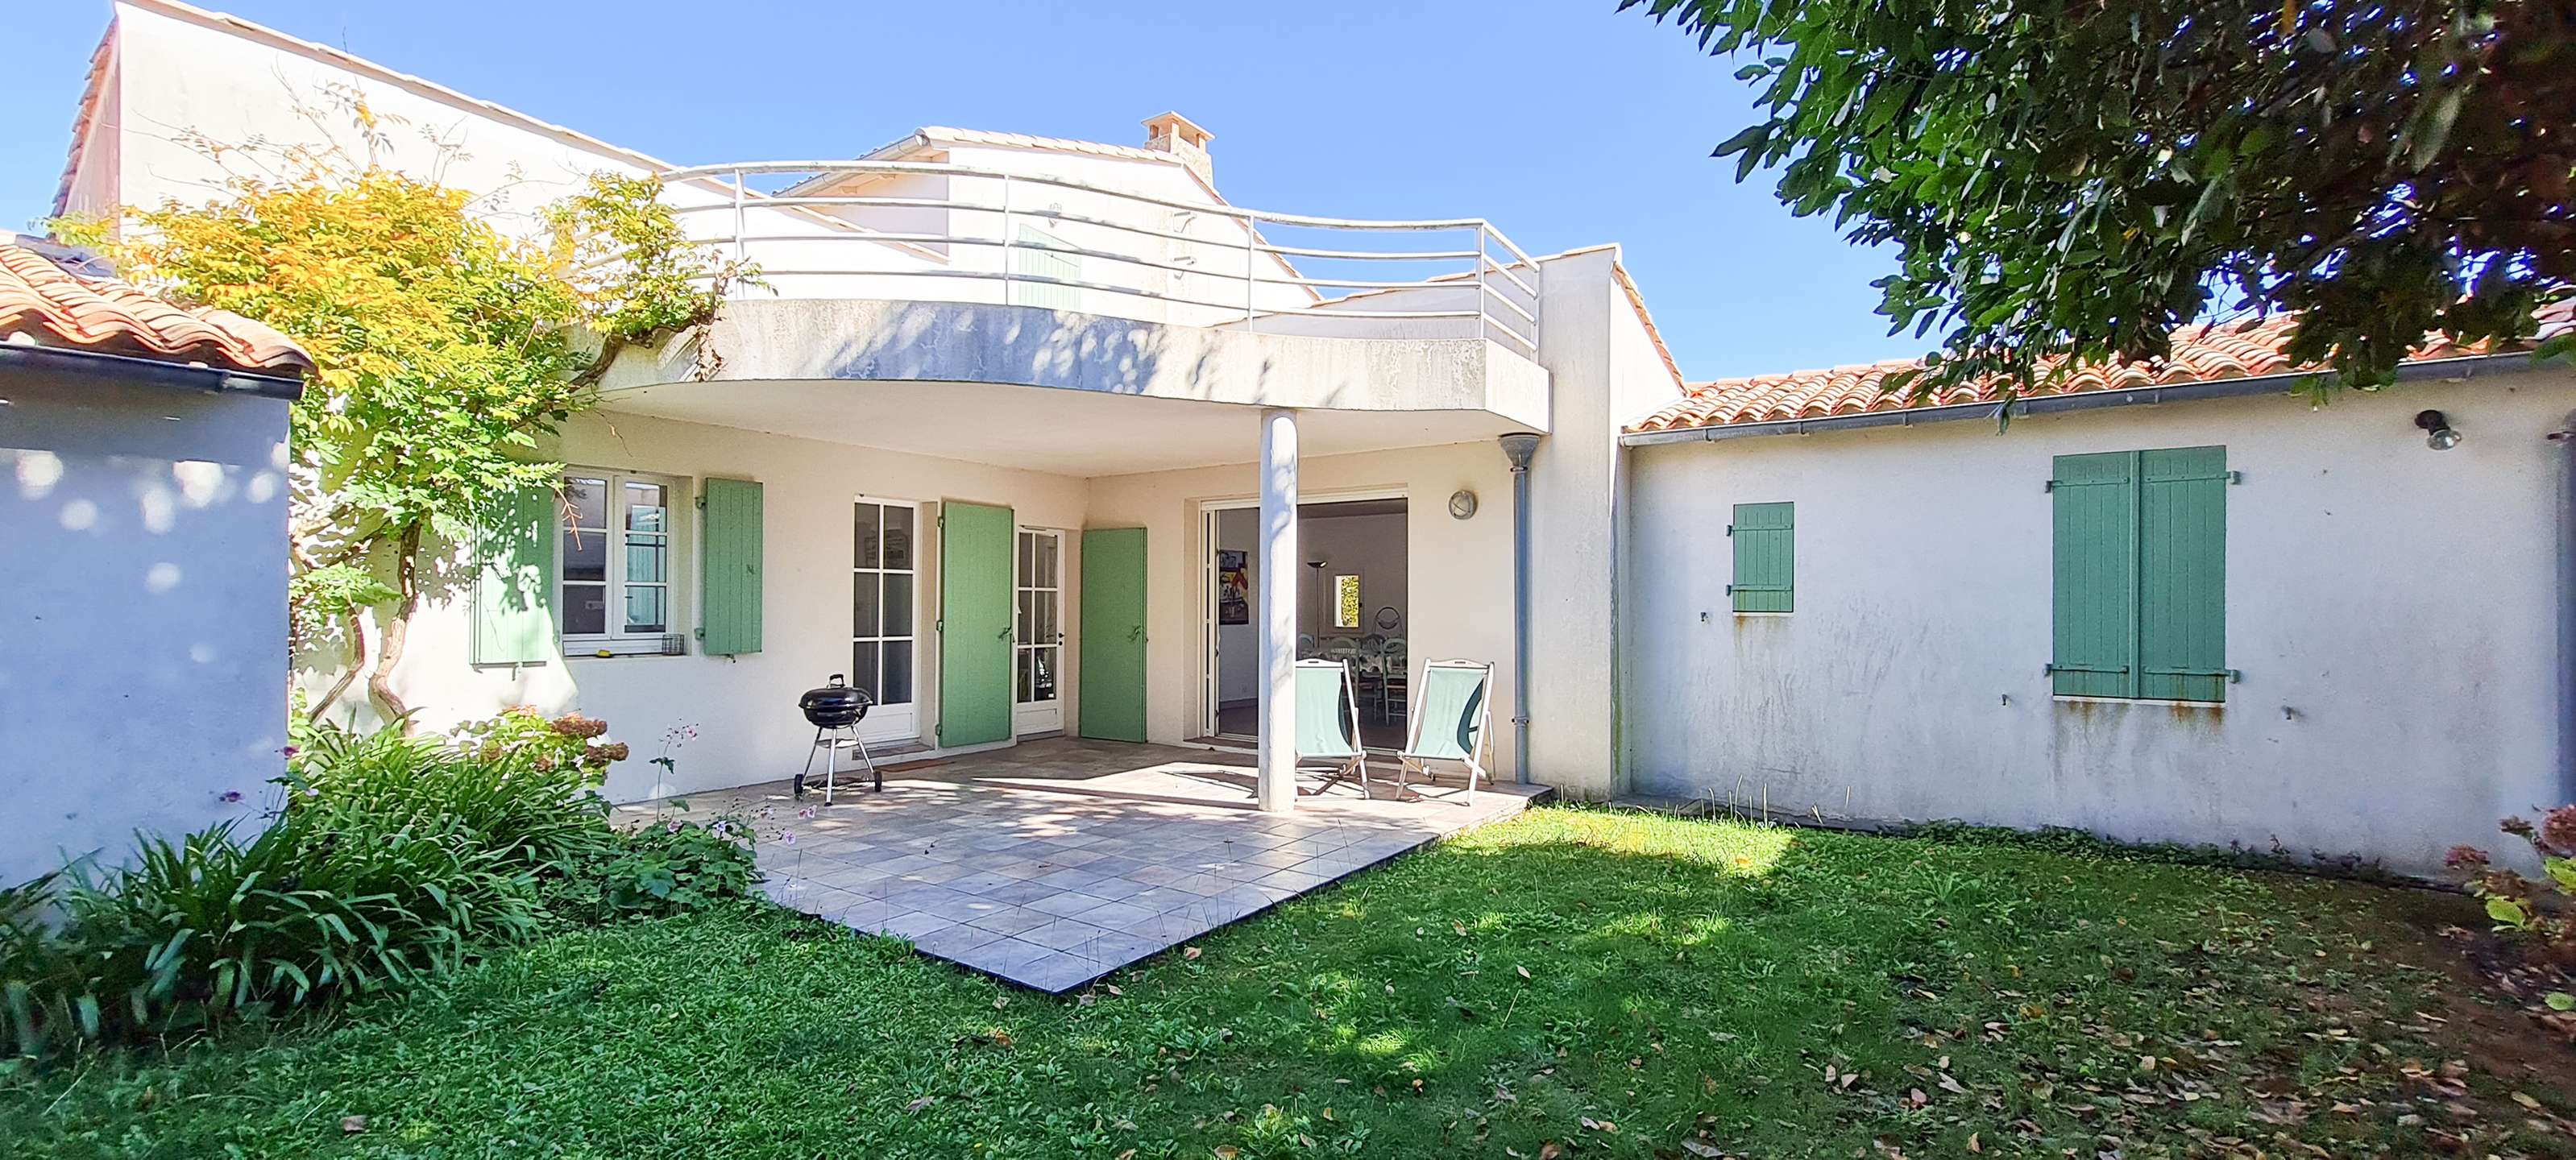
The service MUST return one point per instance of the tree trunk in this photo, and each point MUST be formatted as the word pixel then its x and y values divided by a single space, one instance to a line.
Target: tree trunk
pixel 397 628
pixel 348 672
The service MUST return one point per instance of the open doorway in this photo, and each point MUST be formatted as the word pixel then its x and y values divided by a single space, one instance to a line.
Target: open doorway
pixel 1351 606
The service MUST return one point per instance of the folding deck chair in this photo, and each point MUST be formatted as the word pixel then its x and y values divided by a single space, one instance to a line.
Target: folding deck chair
pixel 1452 705
pixel 1328 721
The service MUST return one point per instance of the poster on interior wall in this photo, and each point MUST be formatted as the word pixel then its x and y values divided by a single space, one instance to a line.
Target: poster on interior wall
pixel 1233 589
pixel 1346 602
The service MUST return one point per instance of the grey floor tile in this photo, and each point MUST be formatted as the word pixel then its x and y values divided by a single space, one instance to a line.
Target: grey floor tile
pixel 1114 889
pixel 1118 916
pixel 1012 920
pixel 1064 934
pixel 915 924
pixel 1064 902
pixel 1067 879
pixel 1058 972
pixel 956 942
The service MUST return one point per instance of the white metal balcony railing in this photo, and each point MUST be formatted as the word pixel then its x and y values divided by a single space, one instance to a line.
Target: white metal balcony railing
pixel 1052 241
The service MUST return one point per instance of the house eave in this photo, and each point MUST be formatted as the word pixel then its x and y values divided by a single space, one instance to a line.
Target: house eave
pixel 2428 370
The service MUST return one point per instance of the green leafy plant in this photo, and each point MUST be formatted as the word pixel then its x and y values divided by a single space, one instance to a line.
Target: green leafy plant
pixel 2065 184
pixel 668 865
pixel 2537 910
pixel 324 903
pixel 518 784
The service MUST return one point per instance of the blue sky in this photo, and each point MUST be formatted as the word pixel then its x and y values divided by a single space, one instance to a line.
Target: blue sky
pixel 1567 123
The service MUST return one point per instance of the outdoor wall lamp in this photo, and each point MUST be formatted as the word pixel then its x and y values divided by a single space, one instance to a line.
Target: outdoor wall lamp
pixel 2438 432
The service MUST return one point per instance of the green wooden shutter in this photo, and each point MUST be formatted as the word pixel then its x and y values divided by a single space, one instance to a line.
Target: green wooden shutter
pixel 514 589
pixel 1765 557
pixel 730 568
pixel 2094 498
pixel 2182 574
pixel 975 614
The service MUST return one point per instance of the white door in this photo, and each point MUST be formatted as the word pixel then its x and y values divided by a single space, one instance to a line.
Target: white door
pixel 884 578
pixel 1038 656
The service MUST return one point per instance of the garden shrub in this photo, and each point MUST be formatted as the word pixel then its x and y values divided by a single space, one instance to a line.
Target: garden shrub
pixel 391 858
pixel 2537 911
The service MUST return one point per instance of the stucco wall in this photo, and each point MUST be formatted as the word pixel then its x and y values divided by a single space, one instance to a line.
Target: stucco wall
pixel 143 640
pixel 2395 611
pixel 745 707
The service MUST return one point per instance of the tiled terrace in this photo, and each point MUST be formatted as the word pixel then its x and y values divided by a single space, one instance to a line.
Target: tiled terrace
pixel 1058 861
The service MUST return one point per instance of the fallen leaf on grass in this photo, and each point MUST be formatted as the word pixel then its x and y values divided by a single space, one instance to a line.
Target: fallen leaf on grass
pixel 1699 1148
pixel 353 1124
pixel 1550 1150
pixel 921 1103
pixel 1521 971
pixel 1189 952
pixel 1227 1152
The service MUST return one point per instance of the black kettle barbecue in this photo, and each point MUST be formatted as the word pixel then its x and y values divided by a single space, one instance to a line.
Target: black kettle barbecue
pixel 835 710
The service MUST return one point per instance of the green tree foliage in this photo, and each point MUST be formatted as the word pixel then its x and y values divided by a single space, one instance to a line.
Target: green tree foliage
pixel 444 350
pixel 2080 179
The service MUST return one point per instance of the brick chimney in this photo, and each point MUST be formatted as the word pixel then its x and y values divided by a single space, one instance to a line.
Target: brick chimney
pixel 1179 136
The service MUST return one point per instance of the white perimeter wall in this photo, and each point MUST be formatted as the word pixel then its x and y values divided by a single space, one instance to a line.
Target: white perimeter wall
pixel 143 640
pixel 2402 605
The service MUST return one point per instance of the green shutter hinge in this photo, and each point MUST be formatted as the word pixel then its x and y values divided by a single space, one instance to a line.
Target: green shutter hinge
pixel 2235 477
pixel 699 503
pixel 700 632
pixel 1730 590
pixel 2048 487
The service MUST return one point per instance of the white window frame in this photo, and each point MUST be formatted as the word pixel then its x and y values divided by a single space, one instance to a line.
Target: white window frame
pixel 893 722
pixel 678 498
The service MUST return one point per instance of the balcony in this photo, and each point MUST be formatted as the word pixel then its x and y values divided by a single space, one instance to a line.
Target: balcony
pixel 917 231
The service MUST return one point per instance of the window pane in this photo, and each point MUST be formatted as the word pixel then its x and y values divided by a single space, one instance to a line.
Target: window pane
pixel 898 537
pixel 646 508
pixel 863 536
pixel 898 604
pixel 585 609
pixel 585 556
pixel 1046 628
pixel 898 673
pixel 863 668
pixel 1027 621
pixel 589 500
pixel 648 608
pixel 1046 575
pixel 647 558
pixel 1028 564
pixel 1043 662
pixel 864 614
pixel 1025 672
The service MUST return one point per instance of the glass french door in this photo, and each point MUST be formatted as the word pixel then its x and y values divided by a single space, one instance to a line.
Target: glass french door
pixel 884 581
pixel 1037 658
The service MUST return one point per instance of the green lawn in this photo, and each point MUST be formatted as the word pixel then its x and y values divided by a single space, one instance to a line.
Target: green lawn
pixel 1581 981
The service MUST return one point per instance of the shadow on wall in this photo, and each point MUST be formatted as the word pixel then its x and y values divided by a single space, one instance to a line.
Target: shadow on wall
pixel 1042 347
pixel 143 637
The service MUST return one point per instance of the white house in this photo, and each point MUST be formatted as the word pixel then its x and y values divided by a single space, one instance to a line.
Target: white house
pixel 974 442
pixel 1032 436
pixel 143 667
pixel 2173 603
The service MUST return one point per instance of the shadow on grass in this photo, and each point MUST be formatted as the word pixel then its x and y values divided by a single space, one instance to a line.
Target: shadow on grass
pixel 1660 980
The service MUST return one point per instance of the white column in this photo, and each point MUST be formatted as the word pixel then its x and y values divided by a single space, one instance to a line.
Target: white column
pixel 1277 610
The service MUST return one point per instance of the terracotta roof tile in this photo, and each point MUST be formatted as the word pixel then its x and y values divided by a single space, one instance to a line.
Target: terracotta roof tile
pixel 59 306
pixel 2228 350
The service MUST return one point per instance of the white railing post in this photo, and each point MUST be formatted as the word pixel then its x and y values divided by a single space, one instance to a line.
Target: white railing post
pixel 1009 275
pixel 1483 304
pixel 1251 242
pixel 739 228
